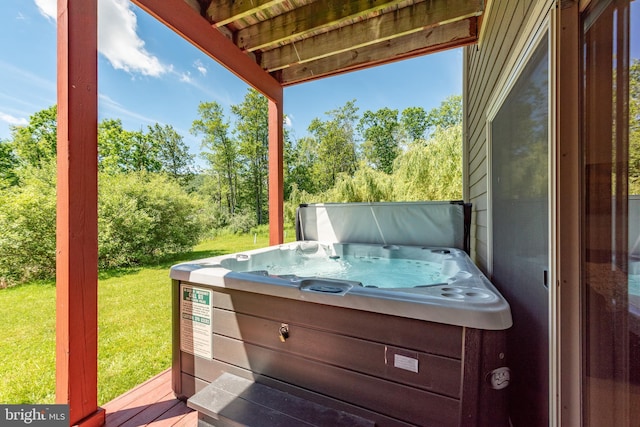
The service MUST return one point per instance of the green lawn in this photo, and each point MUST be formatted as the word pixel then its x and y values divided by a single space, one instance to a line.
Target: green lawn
pixel 134 336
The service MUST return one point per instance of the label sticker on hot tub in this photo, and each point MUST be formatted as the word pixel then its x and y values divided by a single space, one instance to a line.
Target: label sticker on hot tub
pixel 195 321
pixel 406 363
pixel 401 359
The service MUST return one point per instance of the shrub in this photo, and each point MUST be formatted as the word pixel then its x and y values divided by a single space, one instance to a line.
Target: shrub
pixel 241 222
pixel 28 224
pixel 214 218
pixel 140 217
pixel 144 216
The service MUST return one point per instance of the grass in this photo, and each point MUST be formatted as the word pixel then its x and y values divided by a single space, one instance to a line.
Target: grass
pixel 134 327
pixel 27 343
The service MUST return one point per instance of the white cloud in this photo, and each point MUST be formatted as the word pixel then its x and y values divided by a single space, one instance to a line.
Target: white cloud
pixel 14 121
pixel 109 104
pixel 108 100
pixel 46 86
pixel 198 65
pixel 48 8
pixel 185 77
pixel 118 40
pixel 287 122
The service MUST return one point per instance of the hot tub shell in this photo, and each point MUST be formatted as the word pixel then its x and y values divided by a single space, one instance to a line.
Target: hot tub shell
pixel 430 355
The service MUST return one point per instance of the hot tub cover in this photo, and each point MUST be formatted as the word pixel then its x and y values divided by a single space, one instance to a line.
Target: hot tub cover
pixel 444 224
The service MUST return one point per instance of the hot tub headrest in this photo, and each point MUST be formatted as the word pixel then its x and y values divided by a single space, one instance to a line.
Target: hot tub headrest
pixel 445 224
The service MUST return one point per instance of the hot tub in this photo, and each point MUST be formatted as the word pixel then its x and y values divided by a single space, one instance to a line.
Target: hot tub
pixel 400 335
pixel 425 283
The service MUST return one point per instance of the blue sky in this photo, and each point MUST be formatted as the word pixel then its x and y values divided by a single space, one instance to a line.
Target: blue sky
pixel 148 74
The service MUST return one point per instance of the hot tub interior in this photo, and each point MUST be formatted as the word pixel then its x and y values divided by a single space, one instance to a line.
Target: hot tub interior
pixel 379 266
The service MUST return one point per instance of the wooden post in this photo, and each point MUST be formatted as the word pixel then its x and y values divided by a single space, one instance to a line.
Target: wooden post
pixel 77 212
pixel 276 175
pixel 568 381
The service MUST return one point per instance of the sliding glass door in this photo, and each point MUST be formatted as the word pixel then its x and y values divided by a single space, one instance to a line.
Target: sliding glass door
pixel 519 170
pixel 610 286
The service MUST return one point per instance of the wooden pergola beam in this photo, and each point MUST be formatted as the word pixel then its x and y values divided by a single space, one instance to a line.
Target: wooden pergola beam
pixel 77 212
pixel 433 39
pixel 388 26
pixel 227 11
pixel 181 18
pixel 306 20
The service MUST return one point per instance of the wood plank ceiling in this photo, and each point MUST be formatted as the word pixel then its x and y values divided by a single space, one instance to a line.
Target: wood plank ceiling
pixel 300 40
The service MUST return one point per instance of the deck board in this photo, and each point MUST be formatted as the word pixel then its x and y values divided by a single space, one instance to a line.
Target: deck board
pixel 151 403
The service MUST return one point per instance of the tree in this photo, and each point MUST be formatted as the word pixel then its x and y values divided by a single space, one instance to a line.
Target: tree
pixel 160 149
pixel 448 114
pixel 252 131
pixel 431 171
pixel 141 215
pixel 336 145
pixel 366 185
pixel 8 165
pixel 220 151
pixel 144 153
pixel 380 132
pixel 35 144
pixel 172 153
pixel 414 123
pixel 114 147
pixel 300 160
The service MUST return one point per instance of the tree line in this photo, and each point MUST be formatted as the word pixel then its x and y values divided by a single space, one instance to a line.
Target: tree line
pixel 155 200
pixel 379 155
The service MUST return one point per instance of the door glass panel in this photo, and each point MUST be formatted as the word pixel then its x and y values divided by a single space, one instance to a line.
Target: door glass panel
pixel 610 289
pixel 520 222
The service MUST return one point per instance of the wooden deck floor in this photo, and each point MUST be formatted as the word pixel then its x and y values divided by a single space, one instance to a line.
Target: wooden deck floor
pixel 151 403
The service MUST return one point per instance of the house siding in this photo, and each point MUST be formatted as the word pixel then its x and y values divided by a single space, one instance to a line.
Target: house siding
pixel 486 62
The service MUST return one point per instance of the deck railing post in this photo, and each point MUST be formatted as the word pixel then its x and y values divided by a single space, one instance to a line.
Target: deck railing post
pixel 77 212
pixel 276 175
